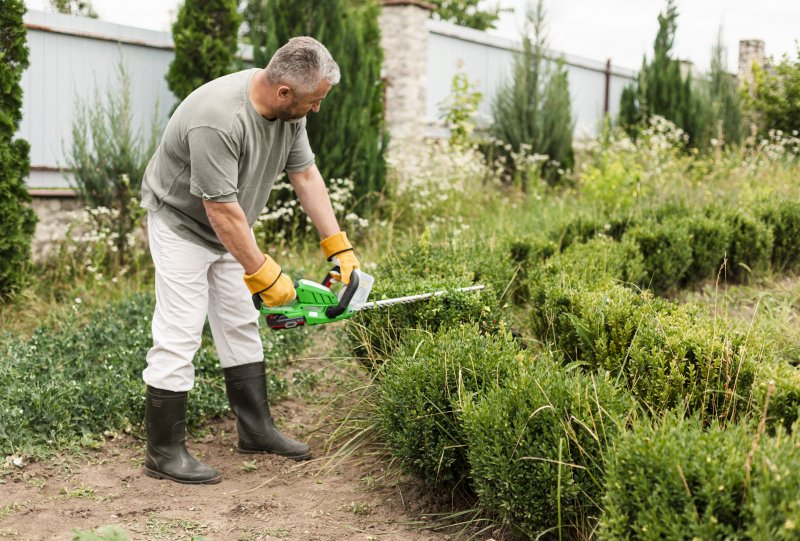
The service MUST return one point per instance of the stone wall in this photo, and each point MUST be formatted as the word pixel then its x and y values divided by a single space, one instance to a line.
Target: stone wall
pixel 55 212
pixel 404 38
pixel 750 51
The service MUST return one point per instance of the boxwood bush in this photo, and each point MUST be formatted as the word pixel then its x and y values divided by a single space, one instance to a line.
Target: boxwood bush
pixel 667 251
pixel 676 480
pixel 750 248
pixel 536 447
pixel 424 385
pixel 710 237
pixel 783 218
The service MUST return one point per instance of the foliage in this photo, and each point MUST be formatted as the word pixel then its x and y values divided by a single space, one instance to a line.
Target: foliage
pixel 17 219
pixel 108 156
pixel 470 13
pixel 726 122
pixel 459 108
pixel 205 35
pixel 536 447
pixel 773 102
pixel 533 107
pixel 72 382
pixel 423 389
pixel 676 480
pixel 349 136
pixel 667 251
pixel 81 8
pixel 104 533
pixel 750 248
pixel 783 219
pixel 661 89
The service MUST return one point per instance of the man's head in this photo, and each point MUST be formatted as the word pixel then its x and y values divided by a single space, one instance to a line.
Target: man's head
pixel 301 73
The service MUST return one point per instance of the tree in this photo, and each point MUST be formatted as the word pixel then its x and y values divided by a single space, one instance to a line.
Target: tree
pixel 725 106
pixel 205 35
pixel 348 135
pixel 17 219
pixel 774 101
pixel 471 13
pixel 661 89
pixel 534 108
pixel 81 8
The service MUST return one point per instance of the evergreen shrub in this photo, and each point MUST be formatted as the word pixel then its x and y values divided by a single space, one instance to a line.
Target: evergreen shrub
pixel 536 447
pixel 677 480
pixel 424 386
pixel 750 248
pixel 783 218
pixel 425 267
pixel 667 251
pixel 17 219
pixel 710 239
pixel 781 382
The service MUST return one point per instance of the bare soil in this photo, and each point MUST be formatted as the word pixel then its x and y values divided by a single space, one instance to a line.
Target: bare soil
pixel 261 497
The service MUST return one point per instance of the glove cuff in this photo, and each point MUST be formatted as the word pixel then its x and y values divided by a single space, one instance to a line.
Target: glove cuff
pixel 265 277
pixel 335 245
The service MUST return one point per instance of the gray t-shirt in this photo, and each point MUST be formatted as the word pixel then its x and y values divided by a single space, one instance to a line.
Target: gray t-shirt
pixel 217 147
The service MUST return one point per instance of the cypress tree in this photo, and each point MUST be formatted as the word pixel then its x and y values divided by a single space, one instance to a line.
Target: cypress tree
pixel 726 109
pixel 534 106
pixel 348 135
pixel 661 89
pixel 17 219
pixel 206 40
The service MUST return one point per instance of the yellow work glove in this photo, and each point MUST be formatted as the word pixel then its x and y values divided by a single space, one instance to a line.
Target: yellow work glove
pixel 275 288
pixel 339 251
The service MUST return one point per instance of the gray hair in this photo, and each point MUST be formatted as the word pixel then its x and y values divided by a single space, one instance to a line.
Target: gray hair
pixel 302 63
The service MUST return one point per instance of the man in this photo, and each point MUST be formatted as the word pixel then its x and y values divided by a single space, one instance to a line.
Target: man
pixel 204 187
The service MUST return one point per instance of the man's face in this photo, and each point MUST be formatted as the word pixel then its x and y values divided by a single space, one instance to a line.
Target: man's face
pixel 299 105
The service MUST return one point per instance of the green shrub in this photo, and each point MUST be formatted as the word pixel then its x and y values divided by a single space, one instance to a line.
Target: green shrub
pixel 781 382
pixel 17 219
pixel 750 248
pixel 679 356
pixel 423 389
pixel 536 447
pixel 528 254
pixel 710 239
pixel 783 218
pixel 69 383
pixel 677 480
pixel 667 251
pixel 427 268
pixel 774 500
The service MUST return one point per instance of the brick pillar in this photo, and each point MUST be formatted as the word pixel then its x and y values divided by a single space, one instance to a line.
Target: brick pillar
pixel 750 50
pixel 404 38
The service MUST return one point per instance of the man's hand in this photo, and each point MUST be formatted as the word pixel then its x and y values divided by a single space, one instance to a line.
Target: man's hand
pixel 339 251
pixel 275 288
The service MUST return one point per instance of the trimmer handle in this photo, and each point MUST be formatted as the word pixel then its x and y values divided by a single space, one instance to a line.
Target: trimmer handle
pixel 347 296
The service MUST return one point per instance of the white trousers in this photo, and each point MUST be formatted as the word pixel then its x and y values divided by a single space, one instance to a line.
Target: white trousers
pixel 192 282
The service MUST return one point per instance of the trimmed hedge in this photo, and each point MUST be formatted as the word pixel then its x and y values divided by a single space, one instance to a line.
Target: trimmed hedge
pixel 536 447
pixel 667 251
pixel 783 218
pixel 423 389
pixel 678 480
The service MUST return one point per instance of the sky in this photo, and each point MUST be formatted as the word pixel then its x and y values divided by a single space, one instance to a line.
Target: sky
pixel 622 30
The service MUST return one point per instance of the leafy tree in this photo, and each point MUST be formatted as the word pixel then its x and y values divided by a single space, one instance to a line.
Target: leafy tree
pixel 17 219
pixel 471 13
pixel 459 108
pixel 348 135
pixel 661 89
pixel 82 8
pixel 533 108
pixel 205 35
pixel 774 101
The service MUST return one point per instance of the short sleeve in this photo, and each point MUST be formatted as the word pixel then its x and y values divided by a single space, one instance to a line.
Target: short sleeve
pixel 300 155
pixel 214 162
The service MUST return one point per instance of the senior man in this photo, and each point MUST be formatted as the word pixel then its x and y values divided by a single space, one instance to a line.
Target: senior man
pixel 204 188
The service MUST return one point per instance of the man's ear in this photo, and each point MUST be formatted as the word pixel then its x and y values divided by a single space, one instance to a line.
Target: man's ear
pixel 284 92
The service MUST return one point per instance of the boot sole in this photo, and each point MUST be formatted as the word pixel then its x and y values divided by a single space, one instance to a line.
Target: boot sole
pixel 260 452
pixel 158 475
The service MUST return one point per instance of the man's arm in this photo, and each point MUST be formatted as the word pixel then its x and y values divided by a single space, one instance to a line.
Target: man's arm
pixel 314 198
pixel 230 225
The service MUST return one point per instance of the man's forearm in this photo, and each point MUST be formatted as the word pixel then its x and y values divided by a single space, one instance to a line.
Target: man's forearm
pixel 313 195
pixel 230 225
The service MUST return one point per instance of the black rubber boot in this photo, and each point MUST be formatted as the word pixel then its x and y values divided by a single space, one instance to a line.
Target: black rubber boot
pixel 247 392
pixel 167 457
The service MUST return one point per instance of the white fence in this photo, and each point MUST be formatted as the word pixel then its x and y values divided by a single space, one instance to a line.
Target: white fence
pixel 71 57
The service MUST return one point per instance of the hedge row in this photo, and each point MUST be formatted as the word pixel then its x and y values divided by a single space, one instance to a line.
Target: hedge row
pixel 681 245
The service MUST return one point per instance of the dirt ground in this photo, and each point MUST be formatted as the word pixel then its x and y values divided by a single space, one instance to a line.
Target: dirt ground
pixel 261 497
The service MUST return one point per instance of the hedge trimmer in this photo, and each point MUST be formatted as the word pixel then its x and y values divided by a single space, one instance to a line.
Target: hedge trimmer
pixel 316 304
